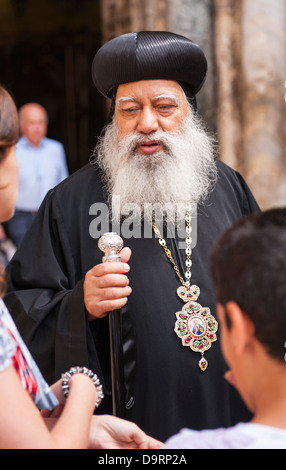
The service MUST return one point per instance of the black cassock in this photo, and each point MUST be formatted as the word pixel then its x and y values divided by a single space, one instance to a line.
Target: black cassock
pixel 165 389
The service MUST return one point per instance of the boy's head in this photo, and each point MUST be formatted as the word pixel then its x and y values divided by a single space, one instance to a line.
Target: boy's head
pixel 248 265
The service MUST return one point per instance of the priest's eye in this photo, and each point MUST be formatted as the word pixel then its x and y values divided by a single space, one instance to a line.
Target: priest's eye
pixel 166 108
pixel 130 111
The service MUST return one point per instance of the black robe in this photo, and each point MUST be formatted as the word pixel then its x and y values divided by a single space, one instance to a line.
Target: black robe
pixel 166 390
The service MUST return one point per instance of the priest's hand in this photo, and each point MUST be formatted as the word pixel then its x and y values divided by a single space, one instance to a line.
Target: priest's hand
pixel 109 432
pixel 106 286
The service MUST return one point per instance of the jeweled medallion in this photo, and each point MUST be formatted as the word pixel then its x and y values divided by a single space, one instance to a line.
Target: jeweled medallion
pixel 195 325
pixel 196 328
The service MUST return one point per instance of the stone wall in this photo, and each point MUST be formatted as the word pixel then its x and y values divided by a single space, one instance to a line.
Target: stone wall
pixel 250 61
pixel 264 75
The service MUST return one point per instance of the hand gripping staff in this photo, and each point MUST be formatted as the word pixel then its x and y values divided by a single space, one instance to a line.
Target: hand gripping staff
pixel 111 244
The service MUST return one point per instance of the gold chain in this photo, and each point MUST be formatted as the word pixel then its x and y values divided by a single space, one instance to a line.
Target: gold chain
pixel 188 249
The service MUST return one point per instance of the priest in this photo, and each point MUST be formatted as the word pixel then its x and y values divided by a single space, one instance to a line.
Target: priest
pixel 155 179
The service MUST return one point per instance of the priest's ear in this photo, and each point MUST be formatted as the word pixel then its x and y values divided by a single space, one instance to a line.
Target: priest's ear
pixel 240 327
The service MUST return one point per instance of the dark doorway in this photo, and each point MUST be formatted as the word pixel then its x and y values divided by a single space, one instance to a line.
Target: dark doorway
pixel 46 51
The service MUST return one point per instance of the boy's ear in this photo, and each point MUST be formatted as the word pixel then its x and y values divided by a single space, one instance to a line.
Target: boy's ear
pixel 242 328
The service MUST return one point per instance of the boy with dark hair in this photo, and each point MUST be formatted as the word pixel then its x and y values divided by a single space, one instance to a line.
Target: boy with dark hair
pixel 248 265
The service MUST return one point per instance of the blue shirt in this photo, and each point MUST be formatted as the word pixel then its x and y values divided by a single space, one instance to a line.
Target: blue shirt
pixel 40 169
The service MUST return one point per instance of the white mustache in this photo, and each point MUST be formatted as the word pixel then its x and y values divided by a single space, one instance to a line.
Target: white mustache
pixel 159 137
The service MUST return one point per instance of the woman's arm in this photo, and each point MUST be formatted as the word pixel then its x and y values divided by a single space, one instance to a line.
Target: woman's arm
pixel 22 427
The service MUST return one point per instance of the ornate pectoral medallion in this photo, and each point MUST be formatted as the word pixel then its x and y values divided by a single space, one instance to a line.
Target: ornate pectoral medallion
pixel 195 325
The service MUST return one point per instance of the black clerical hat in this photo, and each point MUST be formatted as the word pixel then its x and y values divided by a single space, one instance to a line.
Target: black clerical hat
pixel 149 55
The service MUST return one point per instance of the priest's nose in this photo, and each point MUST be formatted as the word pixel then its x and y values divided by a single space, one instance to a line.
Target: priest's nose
pixel 147 121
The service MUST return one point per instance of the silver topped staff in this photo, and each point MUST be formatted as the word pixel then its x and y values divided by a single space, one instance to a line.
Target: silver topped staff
pixel 111 244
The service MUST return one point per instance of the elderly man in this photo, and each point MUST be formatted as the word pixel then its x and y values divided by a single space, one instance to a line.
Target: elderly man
pixel 154 158
pixel 42 165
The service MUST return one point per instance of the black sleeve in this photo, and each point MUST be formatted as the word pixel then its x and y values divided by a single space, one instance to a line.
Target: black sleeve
pixel 249 203
pixel 45 297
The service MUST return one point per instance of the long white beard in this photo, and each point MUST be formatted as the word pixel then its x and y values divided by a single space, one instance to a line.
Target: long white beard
pixel 184 172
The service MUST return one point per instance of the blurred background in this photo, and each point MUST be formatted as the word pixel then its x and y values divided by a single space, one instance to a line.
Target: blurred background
pixel 47 47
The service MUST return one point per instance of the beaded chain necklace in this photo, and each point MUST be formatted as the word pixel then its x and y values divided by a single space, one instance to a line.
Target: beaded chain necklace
pixel 195 325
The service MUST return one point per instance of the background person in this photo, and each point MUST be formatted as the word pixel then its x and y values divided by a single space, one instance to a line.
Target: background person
pixel 42 165
pixel 249 270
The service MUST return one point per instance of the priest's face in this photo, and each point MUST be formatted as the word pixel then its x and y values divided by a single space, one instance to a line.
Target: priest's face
pixel 149 106
pixel 156 149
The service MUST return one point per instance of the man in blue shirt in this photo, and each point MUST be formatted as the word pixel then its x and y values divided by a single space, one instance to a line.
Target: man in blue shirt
pixel 42 165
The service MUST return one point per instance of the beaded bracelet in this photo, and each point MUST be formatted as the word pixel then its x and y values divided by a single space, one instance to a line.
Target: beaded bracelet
pixel 82 370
